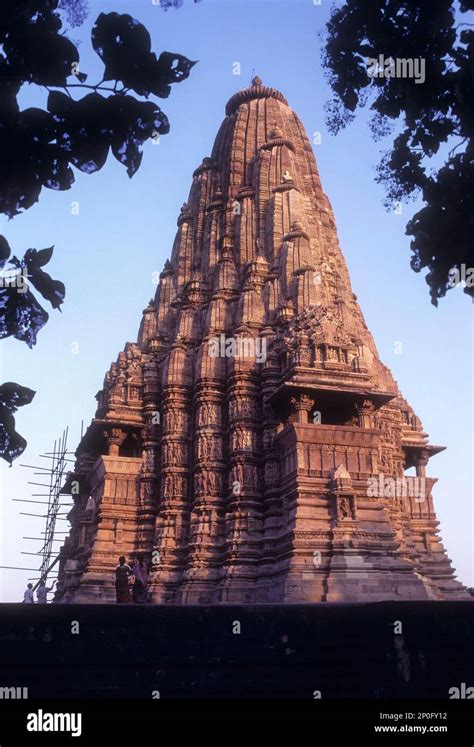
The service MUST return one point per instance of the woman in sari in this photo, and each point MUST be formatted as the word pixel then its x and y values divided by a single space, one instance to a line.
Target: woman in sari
pixel 140 572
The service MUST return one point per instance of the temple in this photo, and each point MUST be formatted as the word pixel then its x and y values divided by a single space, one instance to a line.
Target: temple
pixel 251 444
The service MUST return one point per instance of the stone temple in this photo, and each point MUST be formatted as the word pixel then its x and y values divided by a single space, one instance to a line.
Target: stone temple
pixel 251 443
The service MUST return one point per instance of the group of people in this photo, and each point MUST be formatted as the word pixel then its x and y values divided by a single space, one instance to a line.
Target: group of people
pixel 131 584
pixel 41 593
pixel 134 578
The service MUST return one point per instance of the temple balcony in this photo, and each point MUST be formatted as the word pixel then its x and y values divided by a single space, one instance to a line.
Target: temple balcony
pixel 315 451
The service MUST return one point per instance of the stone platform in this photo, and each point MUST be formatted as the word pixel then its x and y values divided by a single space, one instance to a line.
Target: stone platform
pixel 342 651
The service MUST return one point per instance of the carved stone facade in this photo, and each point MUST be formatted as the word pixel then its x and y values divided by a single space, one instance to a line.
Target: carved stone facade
pixel 251 444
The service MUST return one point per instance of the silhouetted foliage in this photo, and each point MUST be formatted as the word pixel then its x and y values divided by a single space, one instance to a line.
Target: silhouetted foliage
pixel 436 117
pixel 12 396
pixel 21 315
pixel 40 147
pixel 37 146
pixel 75 11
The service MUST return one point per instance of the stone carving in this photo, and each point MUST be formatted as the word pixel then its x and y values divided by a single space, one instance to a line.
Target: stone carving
pixel 174 452
pixel 241 409
pixel 209 414
pixel 174 485
pixel 271 473
pixel 268 436
pixel 208 448
pixel 148 459
pixel 344 508
pixel 242 438
pixel 175 420
pixel 207 482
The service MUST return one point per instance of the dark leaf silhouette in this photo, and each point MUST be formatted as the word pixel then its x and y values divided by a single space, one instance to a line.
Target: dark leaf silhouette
pixel 429 113
pixel 124 46
pixel 37 147
pixel 5 251
pixel 53 290
pixel 38 258
pixel 78 129
pixel 12 396
pixel 83 132
pixel 134 122
pixel 21 316
pixel 38 55
pixel 173 68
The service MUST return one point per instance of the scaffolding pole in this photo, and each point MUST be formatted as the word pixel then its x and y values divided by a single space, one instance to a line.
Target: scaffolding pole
pixel 59 459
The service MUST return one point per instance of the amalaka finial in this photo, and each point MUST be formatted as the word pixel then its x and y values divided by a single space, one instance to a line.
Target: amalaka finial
pixel 256 81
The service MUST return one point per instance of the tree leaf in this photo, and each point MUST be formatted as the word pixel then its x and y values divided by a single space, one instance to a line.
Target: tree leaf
pixel 120 41
pixel 21 316
pixel 173 68
pixel 43 256
pixel 13 396
pixel 11 443
pixel 5 251
pixel 52 290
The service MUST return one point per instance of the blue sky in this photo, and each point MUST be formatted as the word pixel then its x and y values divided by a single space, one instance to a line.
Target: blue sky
pixel 107 254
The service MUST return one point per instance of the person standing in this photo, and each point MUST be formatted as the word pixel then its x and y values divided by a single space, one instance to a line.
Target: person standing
pixel 28 595
pixel 42 592
pixel 140 572
pixel 122 573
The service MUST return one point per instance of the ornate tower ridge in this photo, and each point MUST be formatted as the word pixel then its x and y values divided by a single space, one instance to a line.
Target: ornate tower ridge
pixel 256 91
pixel 251 443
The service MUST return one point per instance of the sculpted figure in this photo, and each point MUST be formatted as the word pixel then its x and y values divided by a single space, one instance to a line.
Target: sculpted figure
pixel 344 508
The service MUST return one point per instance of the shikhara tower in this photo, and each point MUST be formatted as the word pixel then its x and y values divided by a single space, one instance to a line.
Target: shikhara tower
pixel 243 479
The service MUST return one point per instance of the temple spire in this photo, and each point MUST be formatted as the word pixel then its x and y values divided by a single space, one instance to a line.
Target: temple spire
pixel 251 428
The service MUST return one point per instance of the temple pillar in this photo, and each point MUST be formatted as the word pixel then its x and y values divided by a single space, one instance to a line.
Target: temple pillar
pixel 114 438
pixel 206 534
pixel 243 521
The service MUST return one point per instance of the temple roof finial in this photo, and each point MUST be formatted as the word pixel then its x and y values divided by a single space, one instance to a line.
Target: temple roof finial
pixel 257 90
